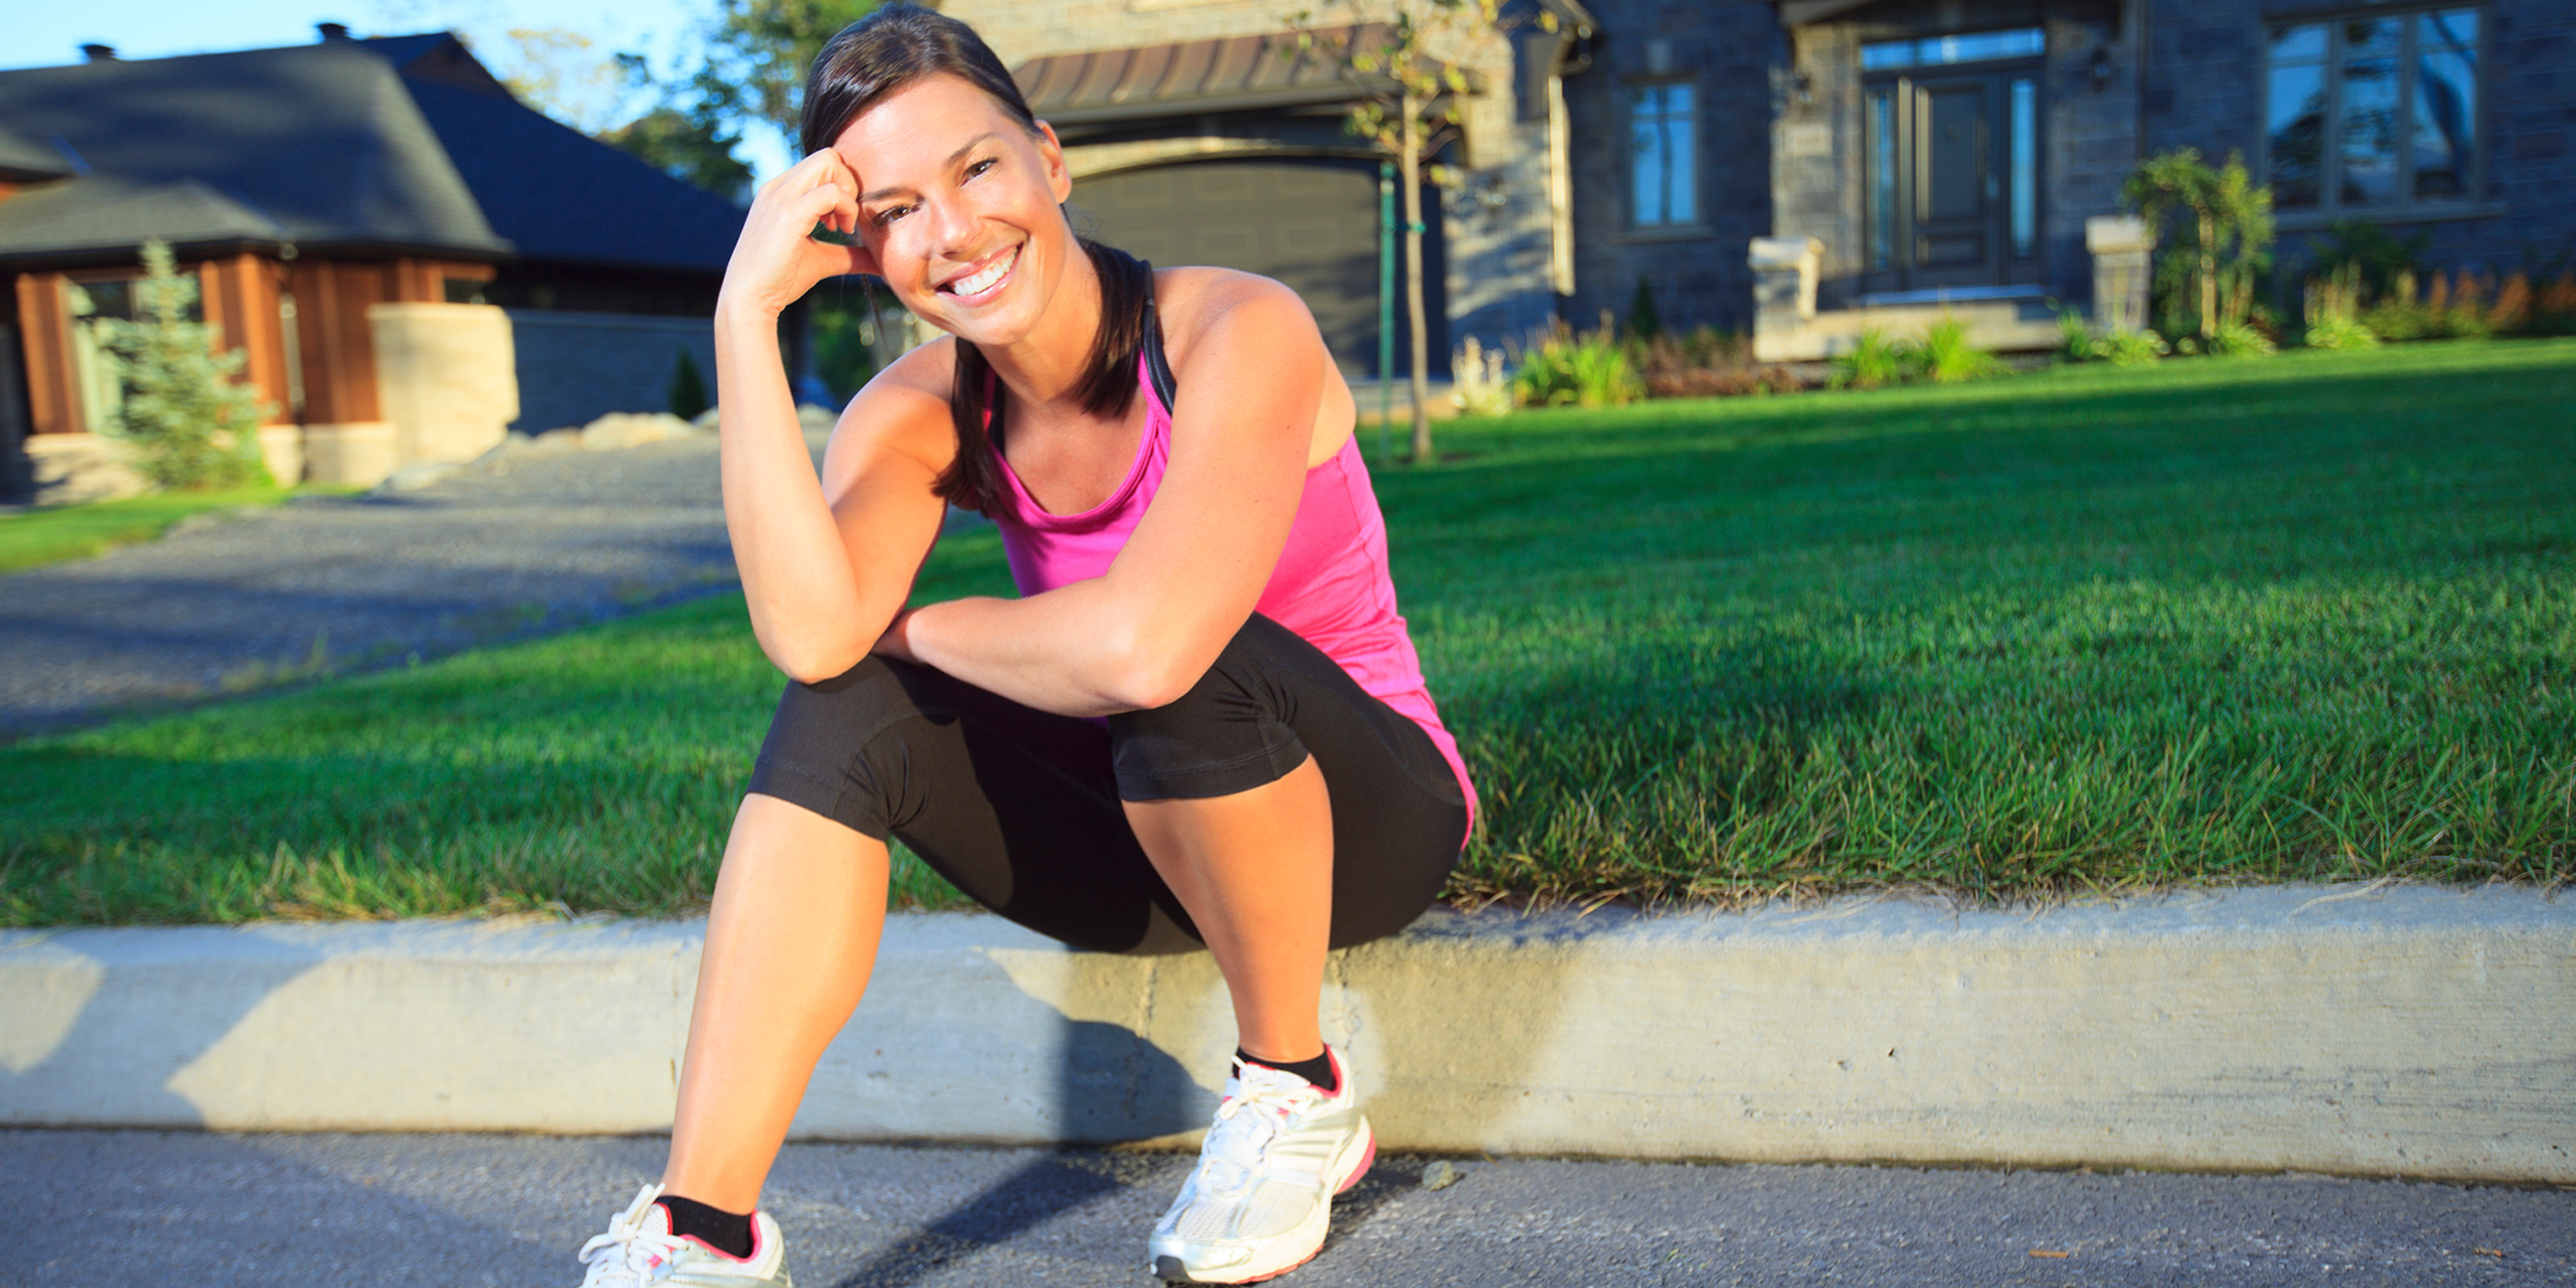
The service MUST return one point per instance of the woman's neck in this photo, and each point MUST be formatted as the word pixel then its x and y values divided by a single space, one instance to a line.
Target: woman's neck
pixel 1047 366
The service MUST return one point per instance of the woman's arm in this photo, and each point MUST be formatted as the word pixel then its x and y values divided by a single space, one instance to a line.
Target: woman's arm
pixel 826 563
pixel 1142 634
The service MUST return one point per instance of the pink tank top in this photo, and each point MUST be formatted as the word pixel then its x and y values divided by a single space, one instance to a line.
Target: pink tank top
pixel 1331 586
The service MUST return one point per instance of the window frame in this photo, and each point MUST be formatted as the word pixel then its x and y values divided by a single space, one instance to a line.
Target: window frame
pixel 1629 225
pixel 2474 201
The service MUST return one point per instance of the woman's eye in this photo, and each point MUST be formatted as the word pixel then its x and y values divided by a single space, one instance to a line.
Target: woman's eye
pixel 889 215
pixel 981 166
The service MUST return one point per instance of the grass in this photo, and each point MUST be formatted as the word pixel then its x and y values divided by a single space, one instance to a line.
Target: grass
pixel 35 538
pixel 2306 618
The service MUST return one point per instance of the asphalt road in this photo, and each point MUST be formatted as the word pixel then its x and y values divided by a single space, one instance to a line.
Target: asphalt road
pixel 232 1211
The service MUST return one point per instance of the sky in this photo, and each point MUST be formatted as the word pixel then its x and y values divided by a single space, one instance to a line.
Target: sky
pixel 47 34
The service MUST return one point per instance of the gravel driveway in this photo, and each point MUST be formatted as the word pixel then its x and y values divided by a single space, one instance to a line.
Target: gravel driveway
pixel 529 540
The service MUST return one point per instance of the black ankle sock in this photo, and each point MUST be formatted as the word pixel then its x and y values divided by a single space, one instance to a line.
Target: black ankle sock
pixel 726 1232
pixel 1318 1070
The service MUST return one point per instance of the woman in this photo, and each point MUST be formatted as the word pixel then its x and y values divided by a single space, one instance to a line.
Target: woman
pixel 1202 724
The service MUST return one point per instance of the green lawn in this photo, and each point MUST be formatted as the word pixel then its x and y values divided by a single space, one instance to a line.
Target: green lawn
pixel 2305 618
pixel 34 538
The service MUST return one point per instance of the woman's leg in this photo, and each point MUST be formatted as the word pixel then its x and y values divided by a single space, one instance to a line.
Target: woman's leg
pixel 798 909
pixel 1255 870
pixel 1290 812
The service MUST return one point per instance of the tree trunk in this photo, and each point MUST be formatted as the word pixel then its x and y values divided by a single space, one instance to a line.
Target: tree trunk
pixel 1409 161
pixel 2208 274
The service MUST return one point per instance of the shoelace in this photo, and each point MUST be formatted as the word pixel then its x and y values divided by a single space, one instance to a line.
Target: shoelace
pixel 629 1247
pixel 1248 1121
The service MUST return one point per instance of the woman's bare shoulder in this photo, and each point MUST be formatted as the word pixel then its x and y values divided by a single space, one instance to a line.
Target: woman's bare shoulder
pixel 905 405
pixel 1194 299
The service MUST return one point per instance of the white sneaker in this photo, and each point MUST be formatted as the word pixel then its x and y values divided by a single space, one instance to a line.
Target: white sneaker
pixel 1262 1195
pixel 639 1249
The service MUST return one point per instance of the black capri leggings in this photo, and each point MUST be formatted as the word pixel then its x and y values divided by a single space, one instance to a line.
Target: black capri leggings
pixel 1020 808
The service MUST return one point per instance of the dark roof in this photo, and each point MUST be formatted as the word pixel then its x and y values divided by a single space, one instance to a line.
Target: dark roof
pixel 120 214
pixel 559 194
pixel 400 143
pixel 26 160
pixel 1225 74
pixel 322 139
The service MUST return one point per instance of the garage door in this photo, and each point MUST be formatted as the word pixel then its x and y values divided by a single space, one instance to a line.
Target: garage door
pixel 1309 222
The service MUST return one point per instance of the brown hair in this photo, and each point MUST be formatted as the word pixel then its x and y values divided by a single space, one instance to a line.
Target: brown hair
pixel 887 50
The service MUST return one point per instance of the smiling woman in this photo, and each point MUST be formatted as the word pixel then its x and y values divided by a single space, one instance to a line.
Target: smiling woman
pixel 1202 725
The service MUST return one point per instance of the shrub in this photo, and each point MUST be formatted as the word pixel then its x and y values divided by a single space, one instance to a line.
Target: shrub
pixel 1947 355
pixel 191 425
pixel 1478 386
pixel 1875 358
pixel 2075 339
pixel 1706 363
pixel 1586 371
pixel 2132 348
pixel 688 389
pixel 2239 340
pixel 2339 331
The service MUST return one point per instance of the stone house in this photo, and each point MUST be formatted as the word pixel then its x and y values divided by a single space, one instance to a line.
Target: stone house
pixel 1803 169
pixel 411 260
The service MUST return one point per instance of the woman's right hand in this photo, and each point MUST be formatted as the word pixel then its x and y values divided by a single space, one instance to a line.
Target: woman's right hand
pixel 777 259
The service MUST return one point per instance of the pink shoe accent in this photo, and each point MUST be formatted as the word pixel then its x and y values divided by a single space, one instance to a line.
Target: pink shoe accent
pixel 1367 1157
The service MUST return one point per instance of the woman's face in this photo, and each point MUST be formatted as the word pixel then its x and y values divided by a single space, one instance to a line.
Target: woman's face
pixel 958 202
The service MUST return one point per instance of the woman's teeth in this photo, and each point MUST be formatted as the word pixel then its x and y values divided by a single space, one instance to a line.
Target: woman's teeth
pixel 983 281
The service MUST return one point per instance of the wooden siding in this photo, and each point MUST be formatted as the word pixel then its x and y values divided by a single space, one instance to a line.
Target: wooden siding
pixel 51 408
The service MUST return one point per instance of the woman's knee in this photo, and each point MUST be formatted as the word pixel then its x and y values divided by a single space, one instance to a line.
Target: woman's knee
pixel 1229 733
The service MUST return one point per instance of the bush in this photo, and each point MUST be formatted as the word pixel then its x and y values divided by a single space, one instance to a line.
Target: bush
pixel 1947 355
pixel 2239 340
pixel 1706 363
pixel 1477 385
pixel 191 425
pixel 1875 358
pixel 688 389
pixel 1586 371
pixel 2339 331
pixel 2132 348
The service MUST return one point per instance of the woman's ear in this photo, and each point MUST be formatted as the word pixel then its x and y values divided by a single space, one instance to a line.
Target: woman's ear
pixel 1059 176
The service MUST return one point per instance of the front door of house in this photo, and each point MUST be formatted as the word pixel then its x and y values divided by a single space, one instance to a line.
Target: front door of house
pixel 1951 196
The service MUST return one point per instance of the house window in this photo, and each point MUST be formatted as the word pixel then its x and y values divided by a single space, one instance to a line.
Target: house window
pixel 1935 51
pixel 96 382
pixel 1662 141
pixel 2372 114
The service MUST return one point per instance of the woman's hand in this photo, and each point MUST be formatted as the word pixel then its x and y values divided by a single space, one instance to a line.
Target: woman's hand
pixel 777 259
pixel 896 643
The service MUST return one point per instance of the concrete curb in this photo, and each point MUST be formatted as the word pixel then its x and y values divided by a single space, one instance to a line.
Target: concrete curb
pixel 2403 1031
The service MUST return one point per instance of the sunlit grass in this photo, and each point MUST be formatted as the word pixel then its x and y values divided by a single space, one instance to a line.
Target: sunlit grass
pixel 35 538
pixel 2307 618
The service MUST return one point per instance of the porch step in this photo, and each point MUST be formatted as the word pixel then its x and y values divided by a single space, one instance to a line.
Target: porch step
pixel 2020 324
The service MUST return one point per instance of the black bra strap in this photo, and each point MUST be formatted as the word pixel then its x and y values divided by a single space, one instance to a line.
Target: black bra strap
pixel 1157 366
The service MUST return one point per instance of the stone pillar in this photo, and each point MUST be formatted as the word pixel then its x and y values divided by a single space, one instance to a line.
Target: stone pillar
pixel 2120 246
pixel 359 453
pixel 446 378
pixel 1784 290
pixel 281 449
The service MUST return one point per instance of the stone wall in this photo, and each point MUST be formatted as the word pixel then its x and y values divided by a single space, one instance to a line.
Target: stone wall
pixel 576 367
pixel 1734 53
pixel 445 378
pixel 2204 89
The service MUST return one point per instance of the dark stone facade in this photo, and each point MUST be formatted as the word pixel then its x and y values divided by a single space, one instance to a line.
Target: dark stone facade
pixel 2171 73
pixel 2205 90
pixel 1732 52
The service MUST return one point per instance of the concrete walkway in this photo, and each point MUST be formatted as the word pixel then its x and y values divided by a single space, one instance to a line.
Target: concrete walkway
pixel 2398 1031
pixel 525 541
pixel 116 1209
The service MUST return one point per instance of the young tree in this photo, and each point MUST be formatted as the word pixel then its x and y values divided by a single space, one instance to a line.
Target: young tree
pixel 191 425
pixel 758 51
pixel 1405 57
pixel 2224 228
